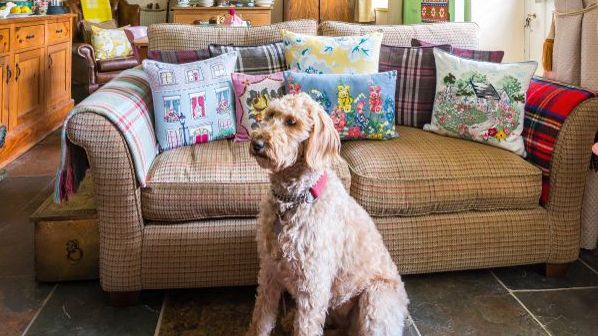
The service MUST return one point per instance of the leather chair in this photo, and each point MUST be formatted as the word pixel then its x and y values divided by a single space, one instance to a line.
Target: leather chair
pixel 87 71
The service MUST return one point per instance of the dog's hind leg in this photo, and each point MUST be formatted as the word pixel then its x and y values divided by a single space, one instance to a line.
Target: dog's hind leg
pixel 266 304
pixel 382 309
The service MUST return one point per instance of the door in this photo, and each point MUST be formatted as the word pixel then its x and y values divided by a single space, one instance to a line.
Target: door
pixel 28 88
pixel 336 10
pixel 58 74
pixel 5 77
pixel 538 18
pixel 301 9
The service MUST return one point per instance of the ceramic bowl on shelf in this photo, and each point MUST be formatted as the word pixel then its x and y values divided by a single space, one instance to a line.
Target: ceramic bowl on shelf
pixel 205 3
pixel 264 3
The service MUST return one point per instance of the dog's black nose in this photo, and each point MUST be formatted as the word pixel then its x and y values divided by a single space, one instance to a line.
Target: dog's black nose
pixel 258 145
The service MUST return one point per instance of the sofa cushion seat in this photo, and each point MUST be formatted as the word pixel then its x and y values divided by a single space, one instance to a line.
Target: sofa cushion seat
pixel 211 180
pixel 117 64
pixel 421 173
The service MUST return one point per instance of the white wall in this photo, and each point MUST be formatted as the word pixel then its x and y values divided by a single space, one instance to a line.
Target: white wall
pixel 501 26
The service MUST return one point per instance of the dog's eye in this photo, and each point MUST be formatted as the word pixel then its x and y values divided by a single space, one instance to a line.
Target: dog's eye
pixel 290 122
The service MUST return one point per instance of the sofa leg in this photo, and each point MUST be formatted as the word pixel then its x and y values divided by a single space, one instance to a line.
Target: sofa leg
pixel 124 299
pixel 557 270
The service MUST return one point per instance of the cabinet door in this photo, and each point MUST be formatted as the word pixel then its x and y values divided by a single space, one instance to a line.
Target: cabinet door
pixel 5 77
pixel 336 10
pixel 58 74
pixel 28 87
pixel 301 9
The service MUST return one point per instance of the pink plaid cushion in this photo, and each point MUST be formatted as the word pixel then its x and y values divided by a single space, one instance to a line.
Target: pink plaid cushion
pixel 494 56
pixel 416 81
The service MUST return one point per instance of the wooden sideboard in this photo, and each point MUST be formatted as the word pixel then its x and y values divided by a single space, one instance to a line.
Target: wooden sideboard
pixel 258 16
pixel 35 80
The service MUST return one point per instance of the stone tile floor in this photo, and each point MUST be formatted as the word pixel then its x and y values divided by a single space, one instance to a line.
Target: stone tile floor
pixel 505 301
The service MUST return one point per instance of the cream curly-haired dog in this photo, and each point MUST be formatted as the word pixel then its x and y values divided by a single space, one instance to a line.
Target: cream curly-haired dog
pixel 314 240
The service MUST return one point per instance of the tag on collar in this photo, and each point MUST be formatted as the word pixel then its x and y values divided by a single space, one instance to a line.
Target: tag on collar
pixel 318 188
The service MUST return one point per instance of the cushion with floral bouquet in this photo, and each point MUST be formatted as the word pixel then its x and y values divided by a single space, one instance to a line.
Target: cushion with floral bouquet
pixel 332 55
pixel 253 94
pixel 193 102
pixel 361 106
pixel 481 101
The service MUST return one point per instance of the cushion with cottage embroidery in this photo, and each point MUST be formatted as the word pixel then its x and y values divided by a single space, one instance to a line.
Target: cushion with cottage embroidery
pixel 360 106
pixel 193 102
pixel 253 94
pixel 481 101
pixel 332 55
pixel 416 81
pixel 254 60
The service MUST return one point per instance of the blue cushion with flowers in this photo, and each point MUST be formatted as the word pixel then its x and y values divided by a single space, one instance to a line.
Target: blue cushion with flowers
pixel 193 102
pixel 361 106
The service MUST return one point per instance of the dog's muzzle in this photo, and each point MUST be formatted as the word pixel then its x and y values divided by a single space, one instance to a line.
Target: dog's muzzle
pixel 258 146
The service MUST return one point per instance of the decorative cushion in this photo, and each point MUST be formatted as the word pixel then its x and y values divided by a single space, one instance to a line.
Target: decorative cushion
pixel 110 43
pixel 178 56
pixel 254 60
pixel 457 34
pixel 85 28
pixel 332 55
pixel 212 180
pixel 193 102
pixel 253 93
pixel 361 106
pixel 481 101
pixel 423 173
pixel 416 82
pixel 166 36
pixel 494 56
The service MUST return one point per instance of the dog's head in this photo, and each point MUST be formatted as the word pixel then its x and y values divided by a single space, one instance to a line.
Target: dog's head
pixel 295 130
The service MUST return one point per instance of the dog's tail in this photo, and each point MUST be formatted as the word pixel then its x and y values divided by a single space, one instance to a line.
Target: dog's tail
pixel 382 308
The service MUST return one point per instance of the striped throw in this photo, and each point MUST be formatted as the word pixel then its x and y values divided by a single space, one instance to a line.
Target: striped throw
pixel 125 101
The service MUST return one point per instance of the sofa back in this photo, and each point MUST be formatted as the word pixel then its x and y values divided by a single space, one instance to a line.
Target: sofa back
pixel 186 37
pixel 180 37
pixel 457 34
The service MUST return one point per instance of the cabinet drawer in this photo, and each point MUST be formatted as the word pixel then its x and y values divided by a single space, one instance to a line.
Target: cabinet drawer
pixel 58 31
pixel 29 36
pixel 4 40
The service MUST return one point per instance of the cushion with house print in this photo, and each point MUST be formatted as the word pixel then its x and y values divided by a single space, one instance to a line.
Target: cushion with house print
pixel 481 101
pixel 193 102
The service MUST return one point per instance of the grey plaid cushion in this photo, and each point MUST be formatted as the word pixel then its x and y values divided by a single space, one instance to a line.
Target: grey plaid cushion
pixel 254 60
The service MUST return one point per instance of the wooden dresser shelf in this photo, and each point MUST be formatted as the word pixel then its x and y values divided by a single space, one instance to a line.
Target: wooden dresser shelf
pixel 258 16
pixel 35 79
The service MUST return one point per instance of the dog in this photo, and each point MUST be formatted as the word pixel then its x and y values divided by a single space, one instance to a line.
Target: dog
pixel 314 240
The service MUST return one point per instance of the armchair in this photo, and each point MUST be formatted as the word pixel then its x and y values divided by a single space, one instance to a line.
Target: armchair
pixel 92 73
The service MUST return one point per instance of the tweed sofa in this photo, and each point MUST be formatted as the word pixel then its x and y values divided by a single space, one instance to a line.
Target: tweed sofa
pixel 440 203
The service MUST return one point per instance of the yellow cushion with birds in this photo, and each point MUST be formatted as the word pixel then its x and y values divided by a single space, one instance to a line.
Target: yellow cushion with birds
pixel 110 43
pixel 332 55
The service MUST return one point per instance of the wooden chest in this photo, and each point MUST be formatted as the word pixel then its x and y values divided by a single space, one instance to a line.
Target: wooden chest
pixel 67 238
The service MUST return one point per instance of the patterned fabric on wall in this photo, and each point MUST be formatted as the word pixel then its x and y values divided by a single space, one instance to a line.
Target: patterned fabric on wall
pixel 435 11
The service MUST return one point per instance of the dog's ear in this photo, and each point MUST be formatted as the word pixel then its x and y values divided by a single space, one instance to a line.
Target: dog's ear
pixel 323 144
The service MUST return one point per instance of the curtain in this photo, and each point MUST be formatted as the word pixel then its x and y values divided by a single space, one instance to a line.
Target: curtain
pixel 364 11
pixel 395 11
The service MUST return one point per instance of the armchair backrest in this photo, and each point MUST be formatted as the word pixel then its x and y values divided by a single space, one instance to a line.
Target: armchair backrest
pixel 122 12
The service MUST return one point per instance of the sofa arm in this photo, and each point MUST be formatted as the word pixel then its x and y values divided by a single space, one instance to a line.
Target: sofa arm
pixel 84 64
pixel 117 198
pixel 569 166
pixel 128 14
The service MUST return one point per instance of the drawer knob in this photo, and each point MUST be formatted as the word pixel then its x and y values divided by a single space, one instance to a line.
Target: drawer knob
pixel 29 37
pixel 73 251
pixel 58 31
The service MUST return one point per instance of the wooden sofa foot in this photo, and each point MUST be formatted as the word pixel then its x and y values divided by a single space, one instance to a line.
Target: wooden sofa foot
pixel 124 299
pixel 557 270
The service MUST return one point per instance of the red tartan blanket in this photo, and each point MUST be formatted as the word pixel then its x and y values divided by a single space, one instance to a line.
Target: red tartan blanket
pixel 547 106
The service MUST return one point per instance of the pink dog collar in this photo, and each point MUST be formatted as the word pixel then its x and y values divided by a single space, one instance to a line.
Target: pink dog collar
pixel 318 188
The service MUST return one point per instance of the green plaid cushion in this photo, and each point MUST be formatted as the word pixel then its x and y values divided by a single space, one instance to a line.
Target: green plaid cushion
pixel 254 60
